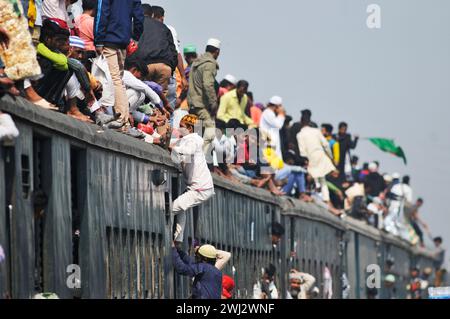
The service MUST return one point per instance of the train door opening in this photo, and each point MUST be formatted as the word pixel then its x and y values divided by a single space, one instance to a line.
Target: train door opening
pixel 8 246
pixel 41 191
pixel 78 186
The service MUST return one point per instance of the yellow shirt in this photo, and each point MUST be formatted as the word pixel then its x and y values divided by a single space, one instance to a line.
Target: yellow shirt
pixel 230 108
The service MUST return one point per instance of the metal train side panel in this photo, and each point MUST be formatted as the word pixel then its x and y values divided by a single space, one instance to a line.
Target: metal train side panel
pixel 4 229
pixel 21 214
pixel 100 183
pixel 368 254
pixel 245 235
pixel 316 246
pixel 127 218
pixel 402 264
pixel 58 221
pixel 352 264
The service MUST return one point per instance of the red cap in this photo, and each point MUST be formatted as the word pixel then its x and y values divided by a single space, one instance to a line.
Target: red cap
pixel 227 286
pixel 61 23
pixel 148 129
pixel 132 48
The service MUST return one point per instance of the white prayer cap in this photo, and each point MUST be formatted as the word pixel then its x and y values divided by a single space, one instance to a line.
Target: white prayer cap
pixel 396 176
pixel 295 276
pixel 230 79
pixel 373 167
pixel 276 100
pixel 214 43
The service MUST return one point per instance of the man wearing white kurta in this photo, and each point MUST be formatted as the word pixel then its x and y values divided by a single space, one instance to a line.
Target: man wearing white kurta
pixel 314 146
pixel 272 120
pixel 200 187
pixel 402 195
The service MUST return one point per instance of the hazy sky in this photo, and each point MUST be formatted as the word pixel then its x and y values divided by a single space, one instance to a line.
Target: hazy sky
pixel 319 54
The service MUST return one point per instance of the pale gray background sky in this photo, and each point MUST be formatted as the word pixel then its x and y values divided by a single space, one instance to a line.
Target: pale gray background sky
pixel 390 82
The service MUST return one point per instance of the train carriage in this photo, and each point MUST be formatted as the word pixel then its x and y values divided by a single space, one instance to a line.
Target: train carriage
pixel 83 205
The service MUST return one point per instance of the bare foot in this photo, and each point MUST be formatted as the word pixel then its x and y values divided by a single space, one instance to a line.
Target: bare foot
pixel 334 211
pixel 277 192
pixel 260 183
pixel 80 116
pixel 45 105
pixel 306 198
pixel 14 91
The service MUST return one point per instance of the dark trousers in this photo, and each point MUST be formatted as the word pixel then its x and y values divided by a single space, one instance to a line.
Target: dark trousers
pixel 417 230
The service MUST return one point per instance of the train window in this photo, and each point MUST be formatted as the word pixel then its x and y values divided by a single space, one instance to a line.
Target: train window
pixel 26 182
pixel 167 206
pixel 292 235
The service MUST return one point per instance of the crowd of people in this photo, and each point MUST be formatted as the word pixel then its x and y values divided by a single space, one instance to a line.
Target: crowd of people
pixel 119 65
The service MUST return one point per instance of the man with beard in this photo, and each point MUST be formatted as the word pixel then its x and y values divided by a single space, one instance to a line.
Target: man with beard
pixel 299 285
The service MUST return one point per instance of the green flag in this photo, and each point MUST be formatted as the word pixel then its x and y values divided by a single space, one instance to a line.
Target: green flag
pixel 387 145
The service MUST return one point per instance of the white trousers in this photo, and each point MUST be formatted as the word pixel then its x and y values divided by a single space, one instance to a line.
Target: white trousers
pixel 191 198
pixel 135 99
pixel 324 188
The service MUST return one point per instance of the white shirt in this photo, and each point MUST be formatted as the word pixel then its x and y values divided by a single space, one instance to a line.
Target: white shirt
pixel 38 4
pixel 257 290
pixel 175 38
pixel 193 162
pixel 271 124
pixel 403 191
pixel 54 9
pixel 224 146
pixel 131 82
pixel 307 283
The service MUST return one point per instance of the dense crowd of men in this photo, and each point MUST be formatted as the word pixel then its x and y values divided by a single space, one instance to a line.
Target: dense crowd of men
pixel 118 65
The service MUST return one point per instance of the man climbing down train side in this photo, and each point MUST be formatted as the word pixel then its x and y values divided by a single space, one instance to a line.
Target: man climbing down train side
pixel 188 151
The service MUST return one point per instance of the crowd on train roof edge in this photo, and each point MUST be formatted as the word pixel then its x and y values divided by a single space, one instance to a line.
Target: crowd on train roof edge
pixel 118 65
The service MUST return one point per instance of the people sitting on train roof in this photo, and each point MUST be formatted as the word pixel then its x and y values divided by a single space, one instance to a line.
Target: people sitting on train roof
pixel 207 279
pixel 80 82
pixel 233 105
pixel 52 90
pixel 265 288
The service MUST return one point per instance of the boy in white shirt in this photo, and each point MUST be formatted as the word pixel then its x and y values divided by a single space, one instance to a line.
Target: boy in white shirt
pixel 200 187
pixel 137 91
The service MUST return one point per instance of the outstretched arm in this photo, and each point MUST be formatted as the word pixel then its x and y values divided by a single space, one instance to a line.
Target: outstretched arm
pixel 183 264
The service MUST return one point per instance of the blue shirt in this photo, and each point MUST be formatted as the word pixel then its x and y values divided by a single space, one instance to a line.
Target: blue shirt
pixel 207 278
